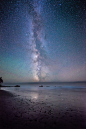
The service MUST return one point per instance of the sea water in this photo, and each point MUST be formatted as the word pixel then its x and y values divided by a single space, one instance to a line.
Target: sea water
pixel 47 86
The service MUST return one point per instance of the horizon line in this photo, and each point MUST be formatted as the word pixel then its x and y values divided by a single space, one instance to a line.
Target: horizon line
pixel 51 82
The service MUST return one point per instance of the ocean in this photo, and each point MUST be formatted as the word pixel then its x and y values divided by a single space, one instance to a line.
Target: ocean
pixel 47 86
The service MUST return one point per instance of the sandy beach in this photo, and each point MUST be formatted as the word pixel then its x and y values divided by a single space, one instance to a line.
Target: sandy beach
pixel 56 109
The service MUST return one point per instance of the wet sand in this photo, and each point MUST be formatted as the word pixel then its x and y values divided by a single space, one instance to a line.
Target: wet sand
pixel 48 109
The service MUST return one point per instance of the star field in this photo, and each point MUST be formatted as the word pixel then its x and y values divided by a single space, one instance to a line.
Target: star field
pixel 42 40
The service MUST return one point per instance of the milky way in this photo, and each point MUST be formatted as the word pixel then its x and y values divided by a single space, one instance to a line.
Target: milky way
pixel 37 42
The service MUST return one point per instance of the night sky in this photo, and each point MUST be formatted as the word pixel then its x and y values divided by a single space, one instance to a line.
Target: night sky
pixel 42 40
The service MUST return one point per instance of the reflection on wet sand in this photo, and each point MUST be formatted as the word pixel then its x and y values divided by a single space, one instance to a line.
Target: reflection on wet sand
pixel 61 108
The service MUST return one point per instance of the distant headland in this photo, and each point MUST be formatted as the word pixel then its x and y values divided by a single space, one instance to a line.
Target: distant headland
pixel 10 86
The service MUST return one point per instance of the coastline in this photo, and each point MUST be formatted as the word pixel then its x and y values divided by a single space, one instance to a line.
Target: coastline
pixel 10 86
pixel 20 112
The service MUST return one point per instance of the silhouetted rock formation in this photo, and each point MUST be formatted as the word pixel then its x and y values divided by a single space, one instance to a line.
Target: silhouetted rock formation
pixel 41 86
pixel 17 86
pixel 10 86
pixel 1 80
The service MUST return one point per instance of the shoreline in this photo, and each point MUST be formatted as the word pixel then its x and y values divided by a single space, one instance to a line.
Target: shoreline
pixel 20 112
pixel 10 86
